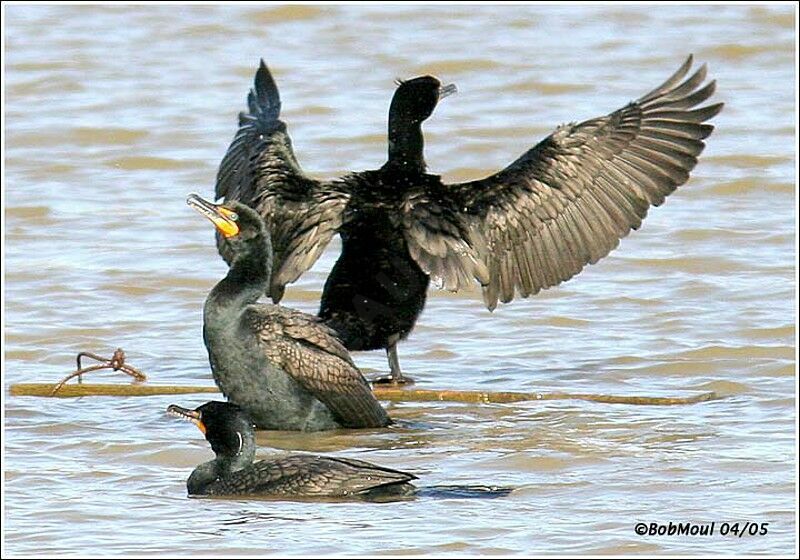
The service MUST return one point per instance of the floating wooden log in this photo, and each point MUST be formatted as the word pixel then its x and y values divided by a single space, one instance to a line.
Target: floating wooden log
pixel 382 393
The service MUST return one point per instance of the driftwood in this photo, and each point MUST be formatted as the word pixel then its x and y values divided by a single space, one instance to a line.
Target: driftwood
pixel 394 394
pixel 382 393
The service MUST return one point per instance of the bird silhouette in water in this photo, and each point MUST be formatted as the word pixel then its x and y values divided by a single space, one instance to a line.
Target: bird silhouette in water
pixel 563 204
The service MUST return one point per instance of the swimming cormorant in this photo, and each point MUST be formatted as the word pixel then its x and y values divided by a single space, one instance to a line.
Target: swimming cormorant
pixel 563 204
pixel 229 430
pixel 284 367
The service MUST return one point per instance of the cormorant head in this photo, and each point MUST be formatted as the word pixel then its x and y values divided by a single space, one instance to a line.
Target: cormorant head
pixel 240 226
pixel 415 99
pixel 227 427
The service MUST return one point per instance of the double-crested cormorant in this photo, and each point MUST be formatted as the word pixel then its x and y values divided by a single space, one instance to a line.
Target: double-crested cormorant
pixel 284 367
pixel 563 204
pixel 230 432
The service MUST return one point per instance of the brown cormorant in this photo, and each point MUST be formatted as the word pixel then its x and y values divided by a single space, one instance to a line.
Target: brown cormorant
pixel 285 368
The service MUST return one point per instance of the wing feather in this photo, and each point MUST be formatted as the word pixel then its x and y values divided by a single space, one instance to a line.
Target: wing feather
pixel 312 354
pixel 260 169
pixel 569 200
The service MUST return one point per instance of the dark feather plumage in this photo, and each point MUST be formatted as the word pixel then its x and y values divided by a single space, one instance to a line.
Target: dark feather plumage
pixel 286 368
pixel 563 204
pixel 309 476
pixel 260 169
pixel 229 430
pixel 306 349
pixel 569 200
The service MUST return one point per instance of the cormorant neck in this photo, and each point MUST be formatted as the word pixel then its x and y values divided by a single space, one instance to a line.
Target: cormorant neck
pixel 226 463
pixel 237 454
pixel 247 280
pixel 406 144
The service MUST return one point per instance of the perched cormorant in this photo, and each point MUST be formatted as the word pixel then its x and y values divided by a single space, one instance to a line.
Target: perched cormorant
pixel 563 204
pixel 284 367
pixel 229 430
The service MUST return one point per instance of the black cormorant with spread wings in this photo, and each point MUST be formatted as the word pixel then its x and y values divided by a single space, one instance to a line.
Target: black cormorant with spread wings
pixel 563 204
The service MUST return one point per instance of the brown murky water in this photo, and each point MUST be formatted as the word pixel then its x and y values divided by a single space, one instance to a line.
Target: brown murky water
pixel 114 114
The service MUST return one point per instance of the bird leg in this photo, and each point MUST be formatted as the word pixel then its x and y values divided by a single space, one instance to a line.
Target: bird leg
pixel 116 363
pixel 397 377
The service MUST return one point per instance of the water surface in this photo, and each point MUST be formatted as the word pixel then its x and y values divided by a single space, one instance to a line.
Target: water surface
pixel 113 114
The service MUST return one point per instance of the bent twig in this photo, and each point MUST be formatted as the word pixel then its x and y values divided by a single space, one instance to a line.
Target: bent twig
pixel 116 363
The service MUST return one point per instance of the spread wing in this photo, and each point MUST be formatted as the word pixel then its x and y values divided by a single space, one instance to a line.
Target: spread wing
pixel 569 200
pixel 260 170
pixel 310 352
pixel 446 246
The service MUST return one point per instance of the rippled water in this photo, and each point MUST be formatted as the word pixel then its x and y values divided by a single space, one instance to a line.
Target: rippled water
pixel 113 114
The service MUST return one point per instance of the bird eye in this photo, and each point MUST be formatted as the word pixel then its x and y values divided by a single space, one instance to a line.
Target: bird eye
pixel 234 217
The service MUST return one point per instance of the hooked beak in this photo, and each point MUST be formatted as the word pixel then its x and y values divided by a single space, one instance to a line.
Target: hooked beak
pixel 449 89
pixel 191 415
pixel 221 217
